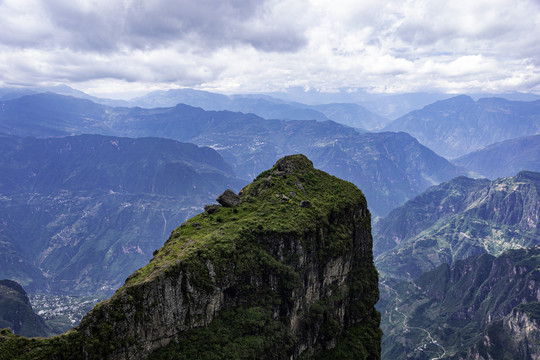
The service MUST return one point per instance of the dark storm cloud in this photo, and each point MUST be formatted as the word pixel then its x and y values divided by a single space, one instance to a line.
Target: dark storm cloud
pixel 146 24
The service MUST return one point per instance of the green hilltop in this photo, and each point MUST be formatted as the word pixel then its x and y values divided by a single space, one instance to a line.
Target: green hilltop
pixel 287 273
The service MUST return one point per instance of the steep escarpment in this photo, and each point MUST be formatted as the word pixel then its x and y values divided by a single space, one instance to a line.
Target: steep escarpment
pixel 486 300
pixel 457 219
pixel 517 336
pixel 16 311
pixel 286 274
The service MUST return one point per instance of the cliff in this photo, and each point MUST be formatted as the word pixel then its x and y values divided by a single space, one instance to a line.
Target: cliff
pixel 286 274
pixel 16 311
pixel 481 305
pixel 457 219
pixel 515 337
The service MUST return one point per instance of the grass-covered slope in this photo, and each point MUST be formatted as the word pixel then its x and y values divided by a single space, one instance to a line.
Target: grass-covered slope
pixel 286 274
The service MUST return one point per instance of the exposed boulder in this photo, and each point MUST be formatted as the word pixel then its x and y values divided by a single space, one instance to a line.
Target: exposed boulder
pixel 229 199
pixel 211 209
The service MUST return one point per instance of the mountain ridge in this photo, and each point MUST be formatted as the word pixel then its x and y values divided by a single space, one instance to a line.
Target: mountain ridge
pixel 460 125
pixel 456 219
pixel 251 144
pixel 293 273
pixel 80 213
pixel 16 311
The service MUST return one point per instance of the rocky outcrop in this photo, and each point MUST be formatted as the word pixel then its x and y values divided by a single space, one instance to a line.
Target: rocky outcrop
pixel 229 199
pixel 517 336
pixel 485 303
pixel 16 311
pixel 457 219
pixel 266 279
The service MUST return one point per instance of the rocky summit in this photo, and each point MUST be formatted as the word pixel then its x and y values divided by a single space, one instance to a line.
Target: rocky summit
pixel 264 278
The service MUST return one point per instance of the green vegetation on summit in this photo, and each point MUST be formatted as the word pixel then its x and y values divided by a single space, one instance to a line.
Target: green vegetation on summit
pixel 277 201
pixel 286 274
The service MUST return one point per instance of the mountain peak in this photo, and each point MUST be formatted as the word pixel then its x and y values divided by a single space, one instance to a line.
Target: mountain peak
pixel 290 164
pixel 287 273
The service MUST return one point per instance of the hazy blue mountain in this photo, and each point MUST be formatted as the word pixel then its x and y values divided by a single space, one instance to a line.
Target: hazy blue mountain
pixel 14 93
pixel 274 109
pixel 169 98
pixel 10 93
pixel 457 219
pixel 504 158
pixel 389 167
pixel 265 106
pixel 447 311
pixel 261 105
pixel 80 213
pixel 460 125
pixel 16 311
pixel 50 114
pixel 352 115
pixel 390 106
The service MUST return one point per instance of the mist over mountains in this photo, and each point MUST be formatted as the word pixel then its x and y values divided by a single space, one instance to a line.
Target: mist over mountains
pixel 90 188
pixel 374 161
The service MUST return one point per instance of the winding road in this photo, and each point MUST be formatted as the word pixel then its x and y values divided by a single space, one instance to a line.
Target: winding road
pixel 406 327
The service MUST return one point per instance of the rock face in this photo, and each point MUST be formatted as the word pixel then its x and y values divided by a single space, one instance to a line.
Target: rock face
pixel 481 305
pixel 457 219
pixel 16 311
pixel 517 336
pixel 229 199
pixel 267 279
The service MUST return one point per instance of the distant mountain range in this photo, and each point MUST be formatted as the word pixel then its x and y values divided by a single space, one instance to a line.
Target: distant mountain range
pixel 11 93
pixel 460 125
pixel 478 306
pixel 265 106
pixel 79 214
pixel 504 158
pixel 390 106
pixel 389 167
pixel 457 219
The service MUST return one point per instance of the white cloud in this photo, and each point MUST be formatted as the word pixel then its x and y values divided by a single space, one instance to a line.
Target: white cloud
pixel 251 45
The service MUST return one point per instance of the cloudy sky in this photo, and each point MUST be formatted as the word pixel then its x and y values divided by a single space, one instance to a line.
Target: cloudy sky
pixel 112 47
